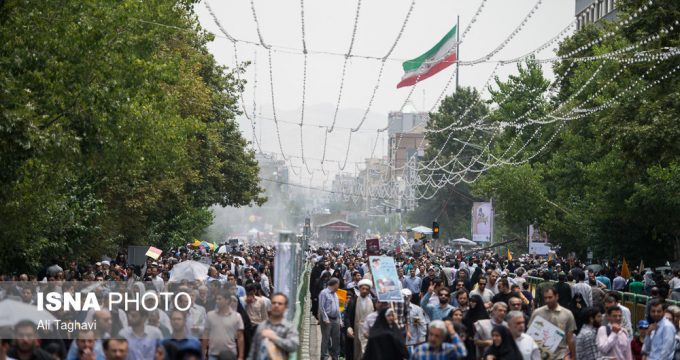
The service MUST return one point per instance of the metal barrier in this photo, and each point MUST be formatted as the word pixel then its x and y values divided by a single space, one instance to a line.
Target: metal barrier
pixel 292 277
pixel 636 303
pixel 300 305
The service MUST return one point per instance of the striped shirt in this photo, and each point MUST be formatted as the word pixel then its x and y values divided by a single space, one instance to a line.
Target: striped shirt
pixel 329 305
pixel 448 351
pixel 586 344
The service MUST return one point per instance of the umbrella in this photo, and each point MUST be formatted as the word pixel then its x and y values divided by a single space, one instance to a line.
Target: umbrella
pixel 189 270
pixel 224 249
pixel 422 230
pixel 12 311
pixel 463 242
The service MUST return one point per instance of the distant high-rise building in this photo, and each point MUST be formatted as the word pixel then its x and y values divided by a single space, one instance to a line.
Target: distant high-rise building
pixel 406 133
pixel 406 147
pixel 371 181
pixel 590 11
pixel 406 120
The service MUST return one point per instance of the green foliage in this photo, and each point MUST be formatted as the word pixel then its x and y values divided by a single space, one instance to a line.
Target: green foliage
pixel 609 180
pixel 517 190
pixel 451 204
pixel 113 130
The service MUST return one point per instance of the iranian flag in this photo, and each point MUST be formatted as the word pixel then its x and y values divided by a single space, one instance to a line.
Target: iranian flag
pixel 442 55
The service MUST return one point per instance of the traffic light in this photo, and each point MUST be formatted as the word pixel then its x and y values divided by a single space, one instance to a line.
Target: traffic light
pixel 435 230
pixel 308 227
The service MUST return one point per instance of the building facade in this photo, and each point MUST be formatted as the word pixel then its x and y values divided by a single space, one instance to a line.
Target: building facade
pixel 406 147
pixel 591 11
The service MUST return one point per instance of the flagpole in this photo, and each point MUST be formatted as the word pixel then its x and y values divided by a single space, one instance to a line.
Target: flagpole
pixel 457 51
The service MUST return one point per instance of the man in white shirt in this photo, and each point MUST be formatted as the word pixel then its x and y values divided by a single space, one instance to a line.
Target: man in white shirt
pixel 493 282
pixel 198 315
pixel 157 281
pixel 526 344
pixel 482 291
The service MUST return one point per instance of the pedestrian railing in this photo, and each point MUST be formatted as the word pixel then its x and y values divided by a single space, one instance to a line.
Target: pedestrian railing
pixel 636 303
pixel 299 316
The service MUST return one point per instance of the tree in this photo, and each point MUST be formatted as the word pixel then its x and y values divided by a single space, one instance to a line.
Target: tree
pixel 610 176
pixel 446 150
pixel 114 130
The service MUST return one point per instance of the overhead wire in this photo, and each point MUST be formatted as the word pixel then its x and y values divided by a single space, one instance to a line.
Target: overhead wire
pixel 555 59
pixel 304 84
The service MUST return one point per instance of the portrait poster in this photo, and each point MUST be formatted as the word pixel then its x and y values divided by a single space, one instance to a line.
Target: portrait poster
pixel 482 221
pixel 385 278
pixel 373 247
pixel 547 336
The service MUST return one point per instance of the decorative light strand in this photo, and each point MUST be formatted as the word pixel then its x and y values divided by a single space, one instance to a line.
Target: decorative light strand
pixel 507 40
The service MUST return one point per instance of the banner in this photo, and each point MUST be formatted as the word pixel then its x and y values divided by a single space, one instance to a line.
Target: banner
pixel 342 298
pixel 385 278
pixel 547 336
pixel 482 221
pixel 373 247
pixel 538 241
pixel 283 260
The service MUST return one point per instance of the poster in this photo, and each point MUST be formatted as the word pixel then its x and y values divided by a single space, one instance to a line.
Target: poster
pixel 547 336
pixel 385 278
pixel 482 221
pixel 373 247
pixel 538 241
pixel 342 298
pixel 154 253
pixel 283 260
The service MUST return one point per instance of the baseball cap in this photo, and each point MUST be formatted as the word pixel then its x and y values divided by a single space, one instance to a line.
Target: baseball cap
pixel 189 346
pixel 643 324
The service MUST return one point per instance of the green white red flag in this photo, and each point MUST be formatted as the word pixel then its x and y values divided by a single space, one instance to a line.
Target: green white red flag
pixel 441 56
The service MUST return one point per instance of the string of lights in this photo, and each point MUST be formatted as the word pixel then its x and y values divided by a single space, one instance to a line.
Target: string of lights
pixel 304 85
pixel 507 40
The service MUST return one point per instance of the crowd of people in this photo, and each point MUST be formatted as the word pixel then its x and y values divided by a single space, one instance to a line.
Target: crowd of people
pixel 233 311
pixel 454 306
pixel 486 306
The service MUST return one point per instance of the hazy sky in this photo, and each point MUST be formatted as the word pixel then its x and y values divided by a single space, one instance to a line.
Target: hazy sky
pixel 328 27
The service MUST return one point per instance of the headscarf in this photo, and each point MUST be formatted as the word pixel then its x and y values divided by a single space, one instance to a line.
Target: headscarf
pixel 468 342
pixel 474 278
pixel 382 325
pixel 475 314
pixel 508 349
pixel 648 279
pixel 385 341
